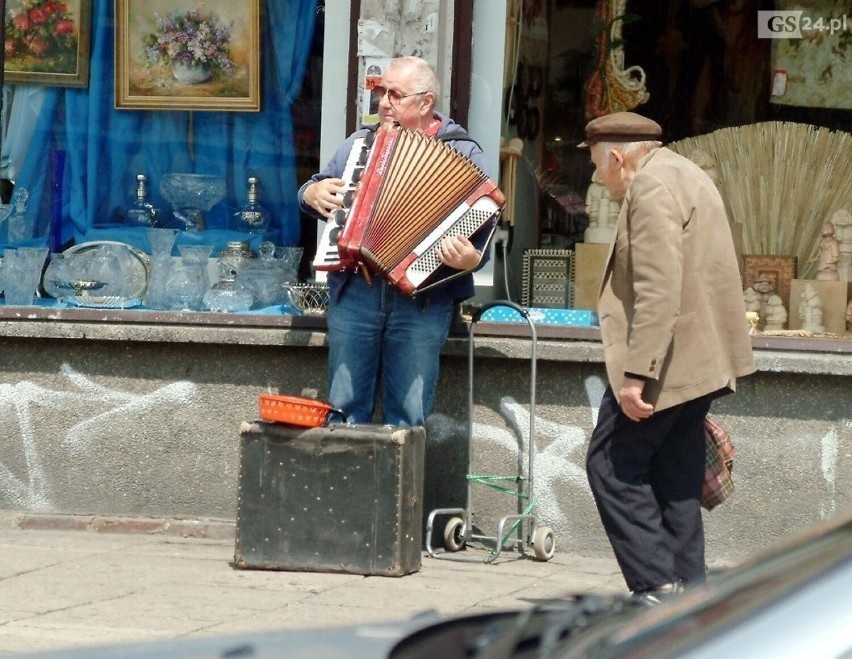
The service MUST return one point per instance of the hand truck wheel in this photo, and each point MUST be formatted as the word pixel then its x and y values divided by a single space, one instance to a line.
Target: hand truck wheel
pixel 453 534
pixel 543 543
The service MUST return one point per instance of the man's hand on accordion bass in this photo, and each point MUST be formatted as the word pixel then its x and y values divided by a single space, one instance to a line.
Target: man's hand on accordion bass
pixel 325 196
pixel 458 252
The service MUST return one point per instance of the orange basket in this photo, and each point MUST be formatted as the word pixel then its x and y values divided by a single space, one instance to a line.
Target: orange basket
pixel 295 411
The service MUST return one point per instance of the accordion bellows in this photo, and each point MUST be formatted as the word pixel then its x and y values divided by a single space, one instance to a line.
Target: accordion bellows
pixel 413 191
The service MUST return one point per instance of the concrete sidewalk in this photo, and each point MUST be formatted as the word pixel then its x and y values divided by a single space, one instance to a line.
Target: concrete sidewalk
pixel 70 582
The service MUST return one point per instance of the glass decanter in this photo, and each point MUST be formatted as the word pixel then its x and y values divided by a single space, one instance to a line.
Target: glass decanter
pixel 237 254
pixel 265 276
pixel 142 212
pixel 228 294
pixel 253 217
pixel 19 224
pixel 189 280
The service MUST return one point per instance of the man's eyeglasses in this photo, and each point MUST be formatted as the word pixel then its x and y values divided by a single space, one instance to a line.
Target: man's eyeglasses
pixel 394 96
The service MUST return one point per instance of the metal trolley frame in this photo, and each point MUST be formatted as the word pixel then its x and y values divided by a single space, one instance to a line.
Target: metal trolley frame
pixel 458 531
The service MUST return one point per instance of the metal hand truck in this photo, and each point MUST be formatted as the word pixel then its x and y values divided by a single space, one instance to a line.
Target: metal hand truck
pixel 459 529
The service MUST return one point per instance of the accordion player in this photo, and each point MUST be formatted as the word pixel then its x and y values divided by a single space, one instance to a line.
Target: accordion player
pixel 406 192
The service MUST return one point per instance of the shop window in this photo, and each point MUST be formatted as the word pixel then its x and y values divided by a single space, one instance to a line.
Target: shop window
pixel 79 159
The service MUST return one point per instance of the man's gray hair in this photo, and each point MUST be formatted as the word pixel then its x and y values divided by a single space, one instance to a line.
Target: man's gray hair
pixel 423 76
pixel 626 147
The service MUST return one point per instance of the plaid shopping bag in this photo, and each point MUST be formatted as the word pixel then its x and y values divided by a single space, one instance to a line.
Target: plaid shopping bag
pixel 718 485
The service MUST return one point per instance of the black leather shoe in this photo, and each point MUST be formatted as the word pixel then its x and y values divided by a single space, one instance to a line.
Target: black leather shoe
pixel 656 596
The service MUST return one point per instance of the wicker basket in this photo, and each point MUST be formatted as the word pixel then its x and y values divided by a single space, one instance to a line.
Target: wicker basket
pixel 294 410
pixel 311 298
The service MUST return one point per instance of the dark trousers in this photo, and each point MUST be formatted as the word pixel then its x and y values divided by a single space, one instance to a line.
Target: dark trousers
pixel 646 479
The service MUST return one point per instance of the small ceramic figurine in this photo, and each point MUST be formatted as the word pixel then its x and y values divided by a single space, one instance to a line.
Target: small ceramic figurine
pixel 753 306
pixel 776 314
pixel 593 196
pixel 603 213
pixel 752 319
pixel 810 310
pixel 828 257
pixel 751 299
pixel 842 221
pixel 764 287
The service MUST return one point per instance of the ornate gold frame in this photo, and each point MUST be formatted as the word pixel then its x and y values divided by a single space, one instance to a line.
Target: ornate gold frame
pixel 39 71
pixel 140 87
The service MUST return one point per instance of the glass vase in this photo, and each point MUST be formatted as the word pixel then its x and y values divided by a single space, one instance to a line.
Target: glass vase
pixel 189 280
pixel 161 242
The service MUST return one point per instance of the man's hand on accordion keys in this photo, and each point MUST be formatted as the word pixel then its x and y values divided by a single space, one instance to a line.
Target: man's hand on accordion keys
pixel 325 196
pixel 458 252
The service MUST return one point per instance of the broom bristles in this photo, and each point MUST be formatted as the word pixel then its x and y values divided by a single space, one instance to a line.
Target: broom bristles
pixel 780 181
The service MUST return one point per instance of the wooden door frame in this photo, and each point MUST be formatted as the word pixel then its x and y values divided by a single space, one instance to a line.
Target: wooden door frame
pixel 461 60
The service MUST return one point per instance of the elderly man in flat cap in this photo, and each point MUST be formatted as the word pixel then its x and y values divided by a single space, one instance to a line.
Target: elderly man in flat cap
pixel 672 321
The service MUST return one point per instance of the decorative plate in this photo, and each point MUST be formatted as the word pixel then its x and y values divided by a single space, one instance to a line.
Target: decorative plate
pixel 135 270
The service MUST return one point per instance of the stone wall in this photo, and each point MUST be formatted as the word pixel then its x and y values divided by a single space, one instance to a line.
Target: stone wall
pixel 142 419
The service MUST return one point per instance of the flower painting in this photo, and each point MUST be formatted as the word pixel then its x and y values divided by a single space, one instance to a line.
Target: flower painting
pixel 179 55
pixel 47 42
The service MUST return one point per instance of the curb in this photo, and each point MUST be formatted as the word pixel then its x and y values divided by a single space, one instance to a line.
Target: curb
pixel 205 529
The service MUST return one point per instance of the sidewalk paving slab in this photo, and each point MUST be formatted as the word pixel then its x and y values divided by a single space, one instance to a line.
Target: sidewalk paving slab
pixel 71 582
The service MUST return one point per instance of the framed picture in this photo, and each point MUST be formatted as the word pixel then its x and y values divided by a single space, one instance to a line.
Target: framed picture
pixel 186 55
pixel 47 42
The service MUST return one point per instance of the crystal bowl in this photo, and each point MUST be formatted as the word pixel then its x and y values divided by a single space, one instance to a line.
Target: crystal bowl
pixel 202 191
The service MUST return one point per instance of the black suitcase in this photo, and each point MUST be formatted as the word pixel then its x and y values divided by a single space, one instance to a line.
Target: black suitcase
pixel 341 498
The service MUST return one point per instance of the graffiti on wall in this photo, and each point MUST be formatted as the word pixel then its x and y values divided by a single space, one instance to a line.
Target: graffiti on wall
pixel 31 489
pixel 559 453
pixel 28 480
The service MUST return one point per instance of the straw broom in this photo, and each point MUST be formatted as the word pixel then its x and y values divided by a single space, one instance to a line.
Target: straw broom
pixel 780 181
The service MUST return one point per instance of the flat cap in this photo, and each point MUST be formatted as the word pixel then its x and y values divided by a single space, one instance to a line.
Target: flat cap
pixel 621 127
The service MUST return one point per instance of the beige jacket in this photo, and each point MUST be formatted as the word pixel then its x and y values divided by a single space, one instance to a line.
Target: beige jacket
pixel 671 303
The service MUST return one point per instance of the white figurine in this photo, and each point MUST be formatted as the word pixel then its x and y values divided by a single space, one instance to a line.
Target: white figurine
pixel 593 196
pixel 751 299
pixel 842 221
pixel 810 310
pixel 603 213
pixel 828 257
pixel 764 287
pixel 776 314
pixel 752 319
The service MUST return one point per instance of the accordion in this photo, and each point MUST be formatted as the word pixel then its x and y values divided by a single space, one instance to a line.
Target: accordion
pixel 407 191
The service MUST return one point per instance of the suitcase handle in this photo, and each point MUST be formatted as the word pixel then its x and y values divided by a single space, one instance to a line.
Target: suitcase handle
pixel 499 303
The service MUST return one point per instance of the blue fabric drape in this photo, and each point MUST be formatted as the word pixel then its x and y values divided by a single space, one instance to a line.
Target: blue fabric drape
pixel 106 148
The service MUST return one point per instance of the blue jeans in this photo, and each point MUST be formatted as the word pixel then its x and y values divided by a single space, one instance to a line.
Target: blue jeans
pixel 378 335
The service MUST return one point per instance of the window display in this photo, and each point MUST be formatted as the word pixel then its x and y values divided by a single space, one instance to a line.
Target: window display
pixel 87 172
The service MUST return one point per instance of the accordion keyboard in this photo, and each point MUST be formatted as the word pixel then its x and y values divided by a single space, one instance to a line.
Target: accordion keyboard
pixel 327 255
